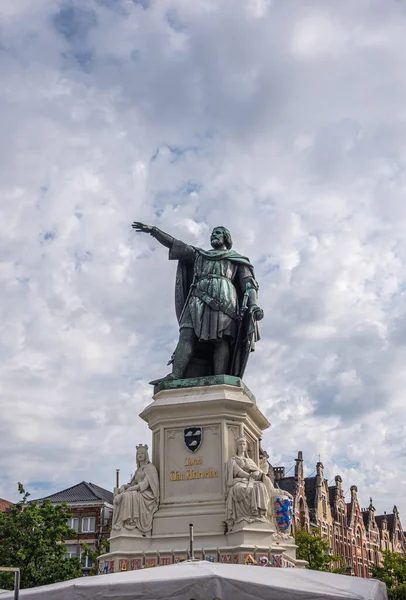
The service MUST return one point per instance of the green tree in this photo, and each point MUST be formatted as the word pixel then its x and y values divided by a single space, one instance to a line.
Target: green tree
pixel 32 535
pixel 94 554
pixel 316 551
pixel 393 573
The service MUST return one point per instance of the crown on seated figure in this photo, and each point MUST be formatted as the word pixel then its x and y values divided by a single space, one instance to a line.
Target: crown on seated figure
pixel 144 446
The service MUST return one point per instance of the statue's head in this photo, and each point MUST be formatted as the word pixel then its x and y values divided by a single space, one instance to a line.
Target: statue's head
pixel 241 444
pixel 220 236
pixel 142 454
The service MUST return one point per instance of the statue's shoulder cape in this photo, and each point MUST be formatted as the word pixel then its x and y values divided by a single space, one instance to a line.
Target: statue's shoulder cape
pixel 231 255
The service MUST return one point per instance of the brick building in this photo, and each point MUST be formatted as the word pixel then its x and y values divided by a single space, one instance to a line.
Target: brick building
pixel 342 535
pixel 4 505
pixel 358 535
pixel 317 496
pixel 91 508
pixel 373 534
pixel 392 537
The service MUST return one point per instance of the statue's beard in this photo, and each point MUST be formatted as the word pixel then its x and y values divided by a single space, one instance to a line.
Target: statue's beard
pixel 215 243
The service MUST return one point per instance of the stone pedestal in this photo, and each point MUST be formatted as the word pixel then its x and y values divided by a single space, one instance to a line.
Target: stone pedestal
pixel 192 483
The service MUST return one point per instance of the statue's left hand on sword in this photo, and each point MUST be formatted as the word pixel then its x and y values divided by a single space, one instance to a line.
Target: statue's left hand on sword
pixel 257 312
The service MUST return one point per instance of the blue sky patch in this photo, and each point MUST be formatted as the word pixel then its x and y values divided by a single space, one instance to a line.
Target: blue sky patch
pixel 174 21
pixel 144 3
pixel 82 59
pixel 191 186
pixel 74 23
pixel 81 258
pixel 49 236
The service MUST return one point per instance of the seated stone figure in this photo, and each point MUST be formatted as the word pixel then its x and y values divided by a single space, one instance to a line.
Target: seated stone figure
pixel 249 490
pixel 136 502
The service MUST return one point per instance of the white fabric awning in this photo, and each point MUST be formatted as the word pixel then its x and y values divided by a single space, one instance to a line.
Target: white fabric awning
pixel 202 580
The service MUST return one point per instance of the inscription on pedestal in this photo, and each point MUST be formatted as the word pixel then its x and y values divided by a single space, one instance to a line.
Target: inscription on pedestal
pixel 190 478
pixel 188 474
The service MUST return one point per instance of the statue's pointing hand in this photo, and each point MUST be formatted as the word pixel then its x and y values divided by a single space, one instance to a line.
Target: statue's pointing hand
pixel 140 227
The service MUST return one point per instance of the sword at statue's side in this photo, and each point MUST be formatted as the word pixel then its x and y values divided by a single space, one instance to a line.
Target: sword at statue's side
pixel 243 310
pixel 192 286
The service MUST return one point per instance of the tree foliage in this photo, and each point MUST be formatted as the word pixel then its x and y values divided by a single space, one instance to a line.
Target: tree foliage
pixel 317 552
pixel 93 555
pixel 393 573
pixel 31 538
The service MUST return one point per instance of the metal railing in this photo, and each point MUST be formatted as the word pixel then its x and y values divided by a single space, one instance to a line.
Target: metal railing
pixel 16 572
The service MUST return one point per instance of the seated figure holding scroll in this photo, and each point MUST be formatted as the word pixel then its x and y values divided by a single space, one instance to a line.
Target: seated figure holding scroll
pixel 136 502
pixel 249 490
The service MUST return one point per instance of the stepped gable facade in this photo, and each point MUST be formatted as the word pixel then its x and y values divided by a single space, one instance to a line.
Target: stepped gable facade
pixel 373 535
pixel 360 562
pixel 318 501
pixel 357 534
pixel 342 535
pixel 385 538
pixel 392 536
pixel 398 538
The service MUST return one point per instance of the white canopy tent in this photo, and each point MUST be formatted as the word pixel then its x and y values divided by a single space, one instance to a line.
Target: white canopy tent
pixel 203 580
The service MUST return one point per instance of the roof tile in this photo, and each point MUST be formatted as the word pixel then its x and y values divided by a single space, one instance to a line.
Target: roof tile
pixel 81 492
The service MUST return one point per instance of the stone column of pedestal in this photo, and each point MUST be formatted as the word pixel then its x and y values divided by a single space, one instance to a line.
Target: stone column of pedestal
pixel 194 431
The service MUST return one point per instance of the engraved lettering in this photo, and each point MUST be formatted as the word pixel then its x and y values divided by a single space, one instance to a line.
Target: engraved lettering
pixel 190 474
pixel 190 462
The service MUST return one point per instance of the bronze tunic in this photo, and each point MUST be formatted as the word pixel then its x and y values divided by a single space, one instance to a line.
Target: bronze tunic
pixel 212 307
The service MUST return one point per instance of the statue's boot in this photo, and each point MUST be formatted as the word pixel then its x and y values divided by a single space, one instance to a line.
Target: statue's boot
pixel 169 377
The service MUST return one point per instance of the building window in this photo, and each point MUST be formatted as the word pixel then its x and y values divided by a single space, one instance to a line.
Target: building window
pixel 71 550
pixel 302 513
pixel 74 523
pixel 88 524
pixel 86 561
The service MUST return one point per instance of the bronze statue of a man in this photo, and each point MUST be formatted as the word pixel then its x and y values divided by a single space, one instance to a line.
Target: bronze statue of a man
pixel 216 306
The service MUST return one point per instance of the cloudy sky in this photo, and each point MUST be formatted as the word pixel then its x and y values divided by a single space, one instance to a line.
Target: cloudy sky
pixel 284 120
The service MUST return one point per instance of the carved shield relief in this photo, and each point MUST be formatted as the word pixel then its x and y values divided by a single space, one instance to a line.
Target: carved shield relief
pixel 193 437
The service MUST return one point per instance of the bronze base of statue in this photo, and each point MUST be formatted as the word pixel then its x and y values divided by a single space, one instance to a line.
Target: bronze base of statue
pixel 169 377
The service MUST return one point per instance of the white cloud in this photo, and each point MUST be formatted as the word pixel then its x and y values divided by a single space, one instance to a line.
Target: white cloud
pixel 316 35
pixel 283 121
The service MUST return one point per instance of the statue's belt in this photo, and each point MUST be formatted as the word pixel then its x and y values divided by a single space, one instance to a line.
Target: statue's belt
pixel 214 304
pixel 212 276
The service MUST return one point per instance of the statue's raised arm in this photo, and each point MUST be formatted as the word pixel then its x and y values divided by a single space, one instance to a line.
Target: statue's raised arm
pixel 163 238
pixel 216 306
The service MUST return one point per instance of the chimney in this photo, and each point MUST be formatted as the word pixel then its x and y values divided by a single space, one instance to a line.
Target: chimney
pixel 279 472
